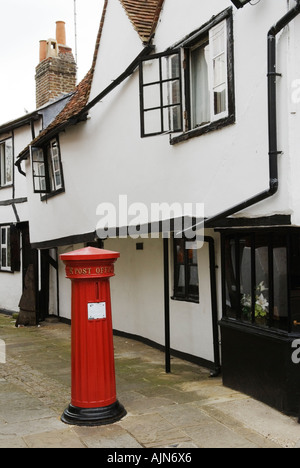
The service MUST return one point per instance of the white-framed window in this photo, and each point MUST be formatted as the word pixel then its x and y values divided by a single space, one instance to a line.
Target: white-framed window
pixel 5 248
pixel 47 168
pixel 208 77
pixel 54 165
pixel 6 162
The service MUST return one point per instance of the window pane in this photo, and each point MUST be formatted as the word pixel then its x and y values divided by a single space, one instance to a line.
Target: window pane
pixel 58 181
pixel 3 236
pixel 217 38
pixel 192 256
pixel 200 86
pixel 172 119
pixel 193 287
pixel 245 278
pixel 280 317
pixel 152 122
pixel 180 283
pixel 232 305
pixel 220 88
pixel 219 70
pixel 180 250
pixel 262 280
pixel 152 97
pixel 8 161
pixel 220 99
pixel 39 178
pixel 170 67
pixel 54 166
pixel 171 93
pixel 8 252
pixel 3 255
pixel 151 73
pixel 2 163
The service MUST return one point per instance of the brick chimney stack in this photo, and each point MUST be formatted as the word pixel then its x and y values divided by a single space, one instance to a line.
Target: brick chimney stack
pixel 56 74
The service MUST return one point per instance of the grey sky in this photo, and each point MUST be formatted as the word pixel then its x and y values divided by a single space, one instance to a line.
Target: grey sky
pixel 23 23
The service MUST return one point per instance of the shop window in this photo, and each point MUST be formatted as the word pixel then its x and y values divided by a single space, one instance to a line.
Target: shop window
pixel 256 279
pixel 186 281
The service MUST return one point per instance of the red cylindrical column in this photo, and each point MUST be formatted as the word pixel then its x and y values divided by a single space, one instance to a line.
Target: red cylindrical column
pixel 93 399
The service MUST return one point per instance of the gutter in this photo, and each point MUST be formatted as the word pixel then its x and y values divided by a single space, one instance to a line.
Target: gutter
pixel 20 122
pixel 272 113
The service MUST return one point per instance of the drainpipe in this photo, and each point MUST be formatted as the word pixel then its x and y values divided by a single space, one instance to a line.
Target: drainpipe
pixel 272 107
pixel 213 286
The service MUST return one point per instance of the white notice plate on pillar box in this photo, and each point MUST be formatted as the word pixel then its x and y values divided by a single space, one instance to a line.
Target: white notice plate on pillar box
pixel 97 310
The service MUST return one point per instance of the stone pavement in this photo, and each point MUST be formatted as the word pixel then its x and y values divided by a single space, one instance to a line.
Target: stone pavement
pixel 182 410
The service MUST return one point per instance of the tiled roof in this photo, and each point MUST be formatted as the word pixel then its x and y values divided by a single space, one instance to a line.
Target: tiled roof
pixel 144 15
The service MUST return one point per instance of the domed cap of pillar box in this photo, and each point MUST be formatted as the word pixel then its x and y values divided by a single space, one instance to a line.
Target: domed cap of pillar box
pixel 90 263
pixel 90 253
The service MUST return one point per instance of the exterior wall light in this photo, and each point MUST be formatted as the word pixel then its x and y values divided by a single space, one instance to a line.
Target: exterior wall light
pixel 240 3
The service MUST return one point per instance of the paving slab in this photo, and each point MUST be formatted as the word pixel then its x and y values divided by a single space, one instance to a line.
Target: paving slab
pixel 186 409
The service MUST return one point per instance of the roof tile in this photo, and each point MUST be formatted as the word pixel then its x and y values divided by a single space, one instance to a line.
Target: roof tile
pixel 144 15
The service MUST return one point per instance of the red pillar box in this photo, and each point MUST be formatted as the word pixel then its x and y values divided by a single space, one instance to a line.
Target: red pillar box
pixel 93 401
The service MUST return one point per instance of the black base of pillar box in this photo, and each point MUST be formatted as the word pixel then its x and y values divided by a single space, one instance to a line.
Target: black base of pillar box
pixel 93 416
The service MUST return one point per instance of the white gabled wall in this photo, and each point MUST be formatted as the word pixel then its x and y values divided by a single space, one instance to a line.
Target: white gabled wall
pixel 119 46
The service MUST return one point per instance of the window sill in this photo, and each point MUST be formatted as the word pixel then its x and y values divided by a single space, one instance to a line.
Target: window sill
pixel 185 299
pixel 46 196
pixel 196 132
pixel 6 271
pixel 2 187
pixel 255 328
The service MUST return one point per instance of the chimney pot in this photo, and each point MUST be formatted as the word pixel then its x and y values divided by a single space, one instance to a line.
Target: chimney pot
pixel 61 32
pixel 43 50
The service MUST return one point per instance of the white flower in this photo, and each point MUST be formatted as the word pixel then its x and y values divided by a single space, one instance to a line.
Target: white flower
pixel 246 300
pixel 261 287
pixel 262 302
